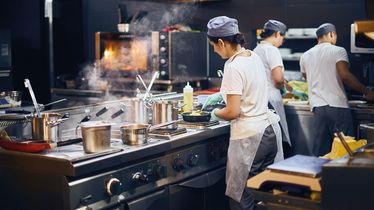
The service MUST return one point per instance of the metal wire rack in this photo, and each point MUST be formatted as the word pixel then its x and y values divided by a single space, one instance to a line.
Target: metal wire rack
pixel 12 119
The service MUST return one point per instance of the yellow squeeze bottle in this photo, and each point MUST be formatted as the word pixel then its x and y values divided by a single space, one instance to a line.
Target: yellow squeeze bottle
pixel 187 98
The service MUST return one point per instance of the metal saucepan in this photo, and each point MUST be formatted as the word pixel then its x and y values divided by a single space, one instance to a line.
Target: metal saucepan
pixel 165 111
pixel 200 116
pixel 139 112
pixel 96 136
pixel 46 127
pixel 137 134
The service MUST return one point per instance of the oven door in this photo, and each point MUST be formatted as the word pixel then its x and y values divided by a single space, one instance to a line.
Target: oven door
pixel 204 192
pixel 123 54
pixel 155 200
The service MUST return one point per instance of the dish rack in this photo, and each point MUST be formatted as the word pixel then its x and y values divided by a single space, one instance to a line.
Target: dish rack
pixel 12 119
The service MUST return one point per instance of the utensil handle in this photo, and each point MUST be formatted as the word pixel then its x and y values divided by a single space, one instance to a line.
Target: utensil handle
pixel 154 127
pixel 155 75
pixel 346 146
pixel 68 142
pixel 36 105
pixel 54 102
pixel 142 81
pixel 118 113
pixel 101 111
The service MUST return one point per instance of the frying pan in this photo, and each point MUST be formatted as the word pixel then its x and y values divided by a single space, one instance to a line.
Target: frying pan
pixel 203 117
pixel 35 146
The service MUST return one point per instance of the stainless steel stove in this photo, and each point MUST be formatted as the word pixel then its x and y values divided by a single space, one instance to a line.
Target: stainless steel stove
pixel 185 172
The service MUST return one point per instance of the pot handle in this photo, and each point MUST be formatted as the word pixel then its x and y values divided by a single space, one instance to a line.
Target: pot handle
pixel 56 122
pixel 85 119
pixel 154 127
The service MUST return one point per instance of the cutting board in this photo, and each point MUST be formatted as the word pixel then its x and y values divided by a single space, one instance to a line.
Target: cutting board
pixel 301 165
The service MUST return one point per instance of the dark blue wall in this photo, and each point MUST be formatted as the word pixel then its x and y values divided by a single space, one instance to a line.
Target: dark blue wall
pixel 78 20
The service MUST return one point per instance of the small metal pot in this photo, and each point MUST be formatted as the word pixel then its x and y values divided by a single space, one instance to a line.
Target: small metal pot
pixel 165 111
pixel 139 113
pixel 134 134
pixel 46 127
pixel 137 134
pixel 96 136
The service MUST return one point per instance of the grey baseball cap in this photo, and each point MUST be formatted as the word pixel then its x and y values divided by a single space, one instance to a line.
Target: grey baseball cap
pixel 276 25
pixel 324 29
pixel 222 26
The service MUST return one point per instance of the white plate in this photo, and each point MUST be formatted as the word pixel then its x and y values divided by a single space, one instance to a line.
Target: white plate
pixel 356 102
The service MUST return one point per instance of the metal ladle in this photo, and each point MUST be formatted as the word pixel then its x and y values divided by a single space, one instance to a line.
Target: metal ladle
pixel 41 107
pixel 155 75
pixel 36 105
pixel 142 81
pixel 147 97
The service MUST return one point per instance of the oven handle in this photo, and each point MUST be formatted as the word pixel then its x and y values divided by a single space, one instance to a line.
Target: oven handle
pixel 121 201
pixel 205 180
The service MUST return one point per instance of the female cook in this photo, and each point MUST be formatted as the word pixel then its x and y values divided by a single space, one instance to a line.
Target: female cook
pixel 254 129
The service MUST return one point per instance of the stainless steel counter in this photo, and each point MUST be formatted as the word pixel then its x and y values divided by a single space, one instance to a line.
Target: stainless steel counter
pixel 59 161
pixel 301 125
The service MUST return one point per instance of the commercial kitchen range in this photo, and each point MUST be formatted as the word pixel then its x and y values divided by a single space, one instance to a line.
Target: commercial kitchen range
pixel 181 171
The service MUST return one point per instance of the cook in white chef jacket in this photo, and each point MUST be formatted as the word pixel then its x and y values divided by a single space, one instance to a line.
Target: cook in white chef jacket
pixel 272 37
pixel 254 128
pixel 326 67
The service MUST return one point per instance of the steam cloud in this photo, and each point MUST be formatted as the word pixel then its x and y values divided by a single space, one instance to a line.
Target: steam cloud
pixel 98 78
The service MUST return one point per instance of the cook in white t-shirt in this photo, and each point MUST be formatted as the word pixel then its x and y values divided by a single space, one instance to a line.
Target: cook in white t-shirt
pixel 254 129
pixel 272 38
pixel 326 68
pixel 325 85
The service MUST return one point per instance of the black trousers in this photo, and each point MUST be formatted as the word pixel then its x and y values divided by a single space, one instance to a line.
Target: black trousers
pixel 327 121
pixel 264 156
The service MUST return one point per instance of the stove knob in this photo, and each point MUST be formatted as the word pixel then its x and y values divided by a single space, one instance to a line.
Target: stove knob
pixel 193 159
pixel 162 37
pixel 214 154
pixel 159 171
pixel 113 187
pixel 163 61
pixel 162 49
pixel 139 177
pixel 178 164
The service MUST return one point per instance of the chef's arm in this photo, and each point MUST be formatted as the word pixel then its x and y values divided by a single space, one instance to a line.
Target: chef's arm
pixel 277 75
pixel 349 79
pixel 232 109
